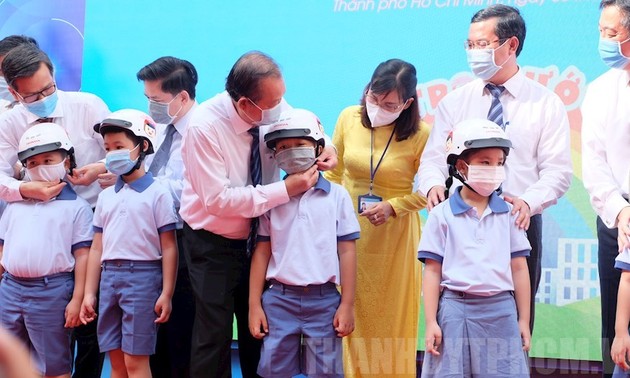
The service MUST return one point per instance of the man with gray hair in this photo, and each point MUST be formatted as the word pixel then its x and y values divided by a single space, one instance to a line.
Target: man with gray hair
pixel 230 179
pixel 605 156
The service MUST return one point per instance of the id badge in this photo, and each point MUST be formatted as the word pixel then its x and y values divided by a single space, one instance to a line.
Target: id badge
pixel 368 200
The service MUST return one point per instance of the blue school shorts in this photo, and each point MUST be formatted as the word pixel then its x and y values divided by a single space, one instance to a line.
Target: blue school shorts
pixel 297 314
pixel 33 309
pixel 126 319
pixel 480 338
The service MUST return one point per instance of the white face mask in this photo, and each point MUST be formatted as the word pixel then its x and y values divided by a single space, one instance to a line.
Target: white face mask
pixel 379 116
pixel 481 62
pixel 50 173
pixel 296 159
pixel 4 90
pixel 485 179
pixel 269 116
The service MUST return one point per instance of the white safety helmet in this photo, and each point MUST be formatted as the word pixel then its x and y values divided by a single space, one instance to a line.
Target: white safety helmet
pixel 44 137
pixel 475 133
pixel 295 123
pixel 139 123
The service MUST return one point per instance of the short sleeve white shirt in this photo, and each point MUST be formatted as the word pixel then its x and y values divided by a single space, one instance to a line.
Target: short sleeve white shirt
pixel 40 237
pixel 131 218
pixel 304 233
pixel 475 251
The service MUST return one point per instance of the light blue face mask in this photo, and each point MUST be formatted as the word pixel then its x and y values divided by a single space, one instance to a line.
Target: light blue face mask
pixel 44 107
pixel 119 162
pixel 4 90
pixel 610 51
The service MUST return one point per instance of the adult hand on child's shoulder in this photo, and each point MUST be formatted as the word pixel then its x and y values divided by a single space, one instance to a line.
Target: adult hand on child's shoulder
pixel 522 208
pixel 258 326
pixel 435 196
pixel 344 320
pixel 163 308
pixel 87 313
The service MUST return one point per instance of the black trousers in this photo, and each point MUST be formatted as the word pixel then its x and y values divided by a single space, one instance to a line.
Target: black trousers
pixel 172 352
pixel 534 261
pixel 219 275
pixel 609 277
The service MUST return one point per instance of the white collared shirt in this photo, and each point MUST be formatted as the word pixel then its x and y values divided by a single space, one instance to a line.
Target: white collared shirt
pixel 475 250
pixel 172 174
pixel 77 113
pixel 131 218
pixel 538 168
pixel 304 233
pixel 606 144
pixel 39 238
pixel 217 194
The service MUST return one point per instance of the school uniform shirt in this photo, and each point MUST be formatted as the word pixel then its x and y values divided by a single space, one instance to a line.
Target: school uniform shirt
pixel 217 194
pixel 475 251
pixel 304 233
pixel 605 142
pixel 172 174
pixel 77 113
pixel 131 218
pixel 538 168
pixel 39 238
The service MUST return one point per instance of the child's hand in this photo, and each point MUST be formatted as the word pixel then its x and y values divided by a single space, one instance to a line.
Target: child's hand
pixel 73 310
pixel 87 313
pixel 620 350
pixel 258 326
pixel 526 336
pixel 163 308
pixel 432 338
pixel 344 320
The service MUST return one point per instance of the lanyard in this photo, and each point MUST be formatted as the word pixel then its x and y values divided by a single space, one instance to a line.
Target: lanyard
pixel 372 169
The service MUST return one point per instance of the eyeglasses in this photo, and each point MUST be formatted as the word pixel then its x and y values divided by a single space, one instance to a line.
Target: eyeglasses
pixel 482 43
pixel 35 96
pixel 390 107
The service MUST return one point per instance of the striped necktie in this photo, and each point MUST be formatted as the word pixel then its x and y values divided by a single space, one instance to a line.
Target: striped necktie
pixel 256 176
pixel 495 114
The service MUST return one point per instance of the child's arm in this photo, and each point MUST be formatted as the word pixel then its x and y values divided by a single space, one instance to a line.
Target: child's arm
pixel 1 266
pixel 257 276
pixel 168 243
pixel 520 275
pixel 620 351
pixel 431 279
pixel 92 279
pixel 74 306
pixel 344 317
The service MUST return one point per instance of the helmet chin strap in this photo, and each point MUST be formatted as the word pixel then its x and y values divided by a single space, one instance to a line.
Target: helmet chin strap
pixel 138 163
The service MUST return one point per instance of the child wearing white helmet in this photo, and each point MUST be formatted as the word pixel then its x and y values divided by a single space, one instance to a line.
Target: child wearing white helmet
pixel 302 277
pixel 475 282
pixel 44 248
pixel 135 244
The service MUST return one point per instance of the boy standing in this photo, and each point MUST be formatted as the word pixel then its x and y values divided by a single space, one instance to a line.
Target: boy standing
pixel 134 242
pixel 44 275
pixel 303 267
pixel 475 265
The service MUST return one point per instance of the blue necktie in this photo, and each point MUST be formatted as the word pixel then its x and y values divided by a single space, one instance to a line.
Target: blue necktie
pixel 495 114
pixel 256 176
pixel 162 154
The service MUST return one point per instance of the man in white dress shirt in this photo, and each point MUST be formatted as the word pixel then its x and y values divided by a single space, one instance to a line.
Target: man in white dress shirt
pixel 534 118
pixel 605 157
pixel 30 77
pixel 219 202
pixel 169 85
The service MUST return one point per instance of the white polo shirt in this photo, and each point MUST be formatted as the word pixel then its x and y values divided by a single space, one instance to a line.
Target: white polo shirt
pixel 39 237
pixel 475 252
pixel 77 113
pixel 131 218
pixel 304 233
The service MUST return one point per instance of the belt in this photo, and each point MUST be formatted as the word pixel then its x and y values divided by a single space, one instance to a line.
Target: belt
pixel 308 289
pixel 218 239
pixel 462 294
